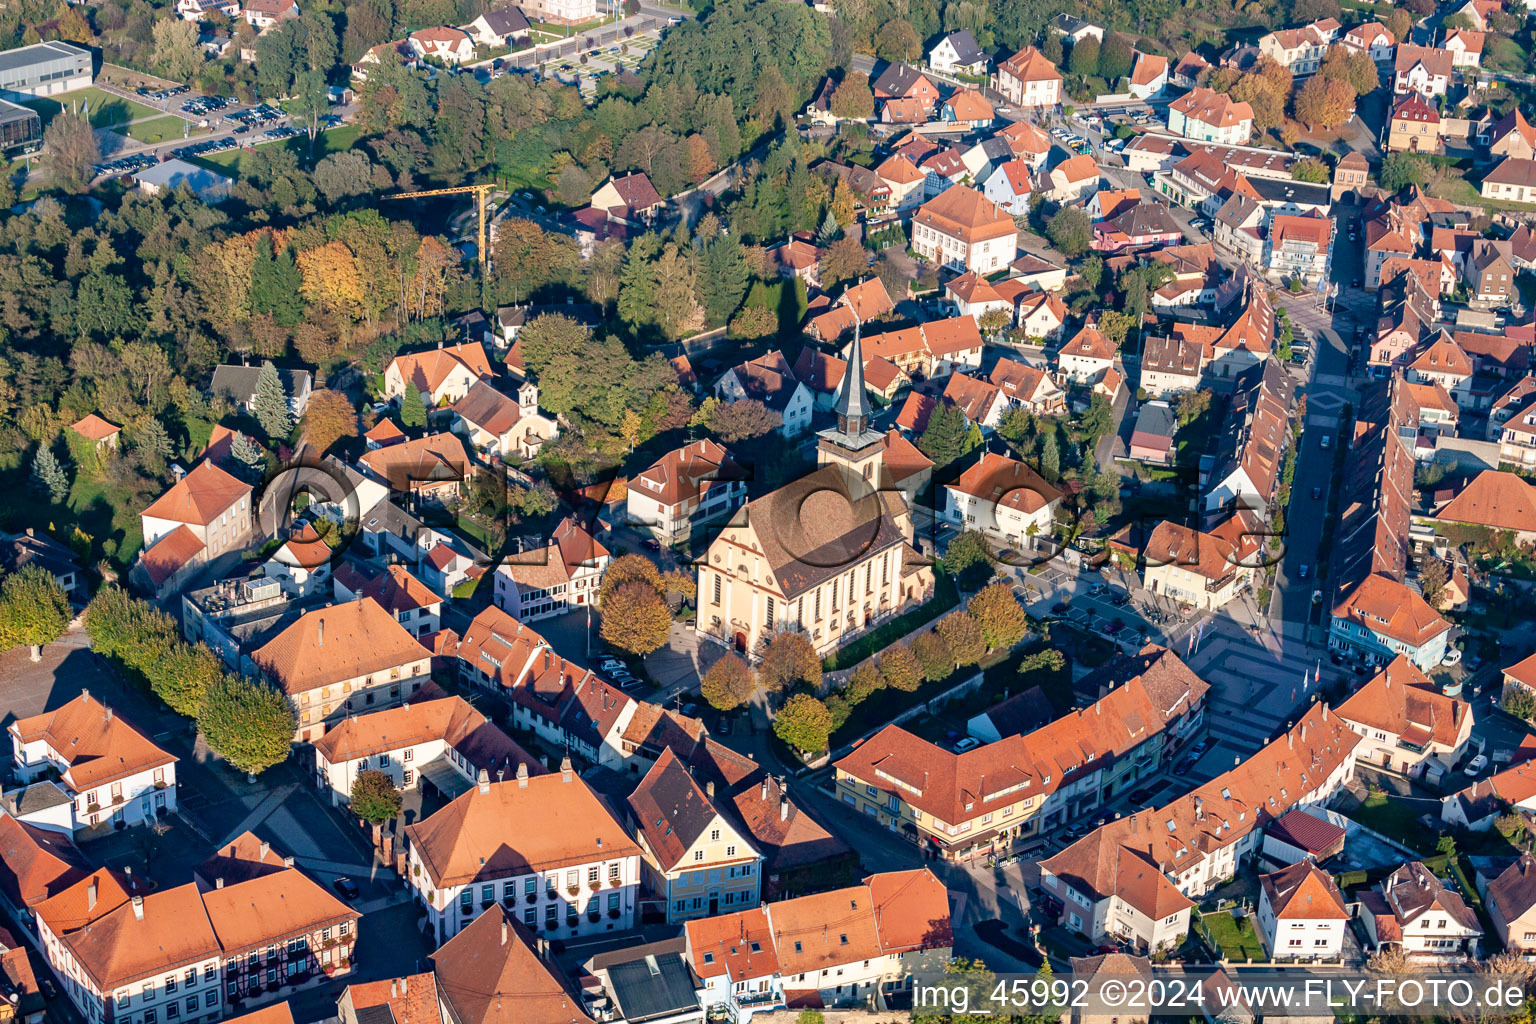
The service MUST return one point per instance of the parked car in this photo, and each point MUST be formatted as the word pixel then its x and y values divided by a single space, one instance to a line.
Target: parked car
pixel 968 743
pixel 1139 797
pixel 1303 571
pixel 1477 764
pixel 345 888
pixel 1059 608
pixel 1452 657
pixel 1317 493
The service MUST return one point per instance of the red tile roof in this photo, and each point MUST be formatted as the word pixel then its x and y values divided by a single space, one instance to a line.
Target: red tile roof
pixel 199 497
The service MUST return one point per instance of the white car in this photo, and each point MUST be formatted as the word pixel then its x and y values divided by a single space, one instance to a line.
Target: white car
pixel 1452 657
pixel 1477 764
pixel 966 744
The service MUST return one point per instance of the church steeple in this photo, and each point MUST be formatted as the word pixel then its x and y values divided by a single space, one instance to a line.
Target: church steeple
pixel 850 403
pixel 852 442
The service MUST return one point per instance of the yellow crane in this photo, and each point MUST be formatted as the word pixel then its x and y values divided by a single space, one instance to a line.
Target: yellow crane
pixel 481 193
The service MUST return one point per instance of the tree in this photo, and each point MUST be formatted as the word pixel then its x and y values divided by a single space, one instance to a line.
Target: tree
pixel 246 451
pixel 70 152
pixel 1520 702
pixel 1434 573
pixel 1092 272
pixel 804 723
pixel 943 440
pixel 900 669
pixel 341 175
pixel 176 48
pixel 1190 406
pixel 897 40
pixel 963 634
pixel 1310 169
pixel 328 418
pixel 1085 56
pixel 1115 58
pixel 843 260
pixel 743 419
pixel 374 797
pixel 1114 324
pixel 1400 170
pixel 636 619
pixel 1324 102
pixel 628 569
pixel 413 411
pixel 789 661
pixel 727 684
pixel 933 656
pixel 1001 618
pixel 853 98
pixel 271 403
pixel 1070 230
pixel 862 681
pixel 994 322
pixel 969 559
pixel 49 476
pixel 34 610
pixel 247 722
pixel 1050 458
pixel 1399 23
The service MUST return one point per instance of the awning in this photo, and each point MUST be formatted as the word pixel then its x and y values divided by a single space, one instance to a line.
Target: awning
pixel 449 781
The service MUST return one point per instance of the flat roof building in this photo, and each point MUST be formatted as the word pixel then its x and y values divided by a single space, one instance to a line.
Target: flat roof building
pixel 44 69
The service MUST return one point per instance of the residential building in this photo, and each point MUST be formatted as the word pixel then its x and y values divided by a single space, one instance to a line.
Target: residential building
pixel 1009 186
pixel 1510 898
pixel 1301 915
pixel 263 14
pixel 562 575
pixel 770 379
pixel 444 742
pixel 1152 437
pixel 1415 126
pixel 1086 357
pixel 1040 315
pixel 982 801
pixel 82 768
pixel 1406 724
pixel 1073 180
pixel 688 486
pixel 848 947
pixel 958 54
pixel 1497 501
pixel 1249 453
pixel 428 469
pixel 696 861
pixel 1202 570
pixel 968 109
pixel 29 547
pixel 237 384
pixel 823 374
pixel 1512 136
pixel 206 515
pixel 1133 879
pixel 1300 50
pixel 1210 117
pixel 1075 29
pixel 1003 499
pixel 1170 366
pixel 501 427
pixel 1382 617
pixel 561 12
pixel 1443 362
pixel 1490 273
pixel 1425 70
pixel 861 303
pixel 1138 226
pixel 449 45
pixel 442 375
pixel 544 846
pixel 1300 248
pixel 962 229
pixel 333 662
pixel 1371 37
pixel 1027 143
pixel 24 1001
pixel 1149 75
pixel 1027 79
pixel 1029 388
pixel 1465 47
pixel 907 184
pixel 102 433
pixel 412 603
pixel 1477 807
pixel 1415 912
pixel 41 864
pixel 501 27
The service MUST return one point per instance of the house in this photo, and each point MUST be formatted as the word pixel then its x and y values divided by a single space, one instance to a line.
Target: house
pixel 967 108
pixel 823 374
pixel 1171 366
pixel 510 321
pixel 1300 50
pixel 1186 73
pixel 1027 143
pixel 1299 835
pixel 427 468
pixel 1141 225
pixel 546 836
pixel 81 766
pixel 1028 388
pixel 979 801
pixel 743 608
pixel 1489 272
pixel 1415 126
pixel 958 54
pixel 1414 911
pixel 1512 136
pixel 333 662
pixel 1134 877
pixel 25 1003
pixel 1208 116
pixel 237 384
pixel 42 863
pixel 396 52
pixel 904 82
pixel 980 403
pixel 206 515
pixel 695 860
pixel 1381 617
pixel 1479 805
pixel 1009 186
pixel 771 380
pixel 631 199
pixel 687 487
pixel 449 45
pixel 1513 180
pixel 1510 899
pixel 1041 315
pixel 501 427
pixel 1465 47
pixel 962 229
pixel 1497 501
pixel 1152 438
pixel 1073 179
pixel 943 168
pixel 501 27
pixel 1086 357
pixel 860 304
pixel 1406 724
pixel 1425 70
pixel 1299 248
pixel 415 606
pixel 444 742
pixel 561 12
pixel 974 296
pixel 442 375
pixel 1443 362
pixel 263 14
pixel 562 575
pixel 1027 79
pixel 1249 452
pixel 98 431
pixel 831 949
pixel 1149 75
pixel 798 257
pixel 906 183
pixel 1370 37
pixel 1301 915
pixel 1202 570
pixel 1003 499
pixel 29 547
pixel 1073 28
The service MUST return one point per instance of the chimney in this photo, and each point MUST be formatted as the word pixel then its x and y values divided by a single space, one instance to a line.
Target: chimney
pixel 522 775
pixel 484 781
pixel 709 789
pixel 565 768
pixel 108 713
pixel 128 869
pixel 218 883
pixel 288 861
pixel 90 895
pixel 503 930
pixel 394 988
pixel 405 986
pixel 1325 712
pixel 1199 809
pixel 1290 741
pixel 764 794
pixel 138 908
pixel 266 848
pixel 320 633
pixel 783 806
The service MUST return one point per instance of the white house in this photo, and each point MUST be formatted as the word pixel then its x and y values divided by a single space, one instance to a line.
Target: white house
pixel 1414 911
pixel 449 45
pixel 1028 79
pixel 109 773
pixel 963 230
pixel 1207 116
pixel 1085 358
pixel 238 385
pixel 1407 724
pixel 686 487
pixel 497 425
pixel 562 575
pixel 958 54
pixel 1004 499
pixel 1301 913
pixel 442 375
pixel 771 380
pixel 501 27
pixel 1009 186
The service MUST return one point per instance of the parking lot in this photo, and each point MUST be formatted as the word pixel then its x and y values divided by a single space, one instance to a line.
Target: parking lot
pixel 1120 612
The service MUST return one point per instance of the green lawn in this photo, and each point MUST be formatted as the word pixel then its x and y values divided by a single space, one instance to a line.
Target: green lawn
pixel 1460 190
pixel 878 639
pixel 1395 820
pixel 105 109
pixel 1237 939
pixel 160 129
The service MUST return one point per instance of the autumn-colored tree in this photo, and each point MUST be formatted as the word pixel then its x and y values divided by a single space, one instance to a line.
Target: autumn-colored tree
pixel 1399 23
pixel 963 635
pixel 628 569
pixel 69 151
pixel 743 419
pixel 1311 169
pixel 675 581
pixel 1265 89
pixel 804 723
pixel 997 611
pixel 753 322
pixel 636 619
pixel 933 656
pixel 1324 103
pixel 374 797
pixel 900 668
pixel 843 260
pixel 789 661
pixel 853 97
pixel 700 163
pixel 328 418
pixel 897 40
pixel 332 280
pixel 727 684
pixel 862 681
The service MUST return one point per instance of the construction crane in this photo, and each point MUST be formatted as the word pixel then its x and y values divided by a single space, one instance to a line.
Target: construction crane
pixel 481 193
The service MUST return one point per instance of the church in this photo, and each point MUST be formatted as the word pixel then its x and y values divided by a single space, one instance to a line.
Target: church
pixel 829 555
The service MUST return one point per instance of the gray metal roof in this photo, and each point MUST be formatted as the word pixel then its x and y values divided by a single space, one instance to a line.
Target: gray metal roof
pixel 653 986
pixel 40 53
